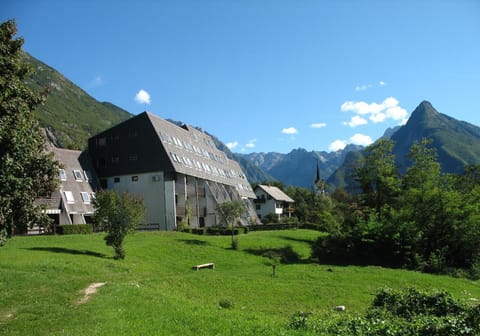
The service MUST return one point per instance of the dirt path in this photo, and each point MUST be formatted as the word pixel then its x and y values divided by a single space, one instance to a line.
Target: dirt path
pixel 89 291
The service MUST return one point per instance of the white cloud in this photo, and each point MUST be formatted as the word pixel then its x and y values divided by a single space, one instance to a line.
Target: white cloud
pixel 356 121
pixel 356 139
pixel 361 139
pixel 361 107
pixel 143 97
pixel 232 145
pixel 389 109
pixel 398 113
pixel 365 87
pixel 337 145
pixel 289 130
pixel 318 125
pixel 251 143
pixel 378 117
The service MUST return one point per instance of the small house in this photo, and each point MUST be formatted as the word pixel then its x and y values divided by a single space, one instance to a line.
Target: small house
pixel 272 200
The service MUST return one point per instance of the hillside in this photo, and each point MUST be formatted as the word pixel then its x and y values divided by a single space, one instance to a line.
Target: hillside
pixel 154 291
pixel 70 114
pixel 457 142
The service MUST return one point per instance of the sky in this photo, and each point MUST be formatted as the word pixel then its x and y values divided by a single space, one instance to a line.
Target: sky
pixel 265 75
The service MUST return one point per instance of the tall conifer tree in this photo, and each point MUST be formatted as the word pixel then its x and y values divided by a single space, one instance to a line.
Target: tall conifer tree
pixel 27 171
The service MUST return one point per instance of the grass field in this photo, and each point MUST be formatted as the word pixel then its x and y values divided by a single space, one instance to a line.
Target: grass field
pixel 154 291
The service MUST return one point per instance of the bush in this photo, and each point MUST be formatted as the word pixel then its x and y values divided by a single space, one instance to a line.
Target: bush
pixel 397 313
pixel 198 231
pixel 273 226
pixel 226 303
pixel 74 229
pixel 299 320
pixel 217 231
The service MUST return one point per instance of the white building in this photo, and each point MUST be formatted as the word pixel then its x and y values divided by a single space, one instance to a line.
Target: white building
pixel 177 170
pixel 71 203
pixel 271 200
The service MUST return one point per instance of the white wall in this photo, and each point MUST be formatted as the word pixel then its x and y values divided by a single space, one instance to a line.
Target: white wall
pixel 265 208
pixel 151 187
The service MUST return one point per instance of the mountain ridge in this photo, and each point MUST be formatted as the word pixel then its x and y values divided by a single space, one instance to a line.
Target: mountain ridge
pixel 69 114
pixel 299 166
pixel 456 142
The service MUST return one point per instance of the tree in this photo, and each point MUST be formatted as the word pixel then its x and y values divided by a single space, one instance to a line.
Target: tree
pixel 378 175
pixel 117 214
pixel 229 212
pixel 27 171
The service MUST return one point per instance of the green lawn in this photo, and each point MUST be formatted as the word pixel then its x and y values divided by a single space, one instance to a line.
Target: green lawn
pixel 154 291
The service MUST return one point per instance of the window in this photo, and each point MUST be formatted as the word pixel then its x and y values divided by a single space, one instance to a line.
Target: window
pixel 134 178
pixel 101 141
pixel 176 158
pixel 116 180
pixel 115 159
pixel 133 157
pixel 62 174
pixel 93 195
pixel 85 197
pixel 69 197
pixel 78 175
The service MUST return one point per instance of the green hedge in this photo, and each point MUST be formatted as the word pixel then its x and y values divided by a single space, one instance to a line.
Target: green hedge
pixel 217 231
pixel 274 226
pixel 74 229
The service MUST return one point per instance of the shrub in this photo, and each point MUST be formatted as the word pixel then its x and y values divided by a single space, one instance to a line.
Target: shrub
pixel 226 303
pixel 199 231
pixel 74 229
pixel 299 320
pixel 397 313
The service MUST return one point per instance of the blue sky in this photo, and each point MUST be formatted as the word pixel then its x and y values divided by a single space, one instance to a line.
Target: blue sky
pixel 265 76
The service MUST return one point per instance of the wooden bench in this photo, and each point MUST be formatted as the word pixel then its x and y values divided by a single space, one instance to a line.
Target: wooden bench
pixel 208 265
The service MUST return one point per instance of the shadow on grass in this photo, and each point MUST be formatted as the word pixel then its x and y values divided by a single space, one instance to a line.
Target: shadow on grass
pixel 68 251
pixel 193 242
pixel 310 242
pixel 286 255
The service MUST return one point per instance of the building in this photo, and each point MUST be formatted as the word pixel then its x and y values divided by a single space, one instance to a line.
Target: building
pixel 271 200
pixel 178 171
pixel 71 203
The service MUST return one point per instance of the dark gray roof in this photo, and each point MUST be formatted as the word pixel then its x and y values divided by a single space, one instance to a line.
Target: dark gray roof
pixel 193 152
pixel 79 177
pixel 148 143
pixel 275 193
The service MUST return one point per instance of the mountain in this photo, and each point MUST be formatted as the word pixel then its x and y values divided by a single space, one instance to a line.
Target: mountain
pixel 457 144
pixel 70 115
pixel 299 167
